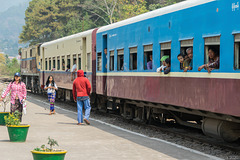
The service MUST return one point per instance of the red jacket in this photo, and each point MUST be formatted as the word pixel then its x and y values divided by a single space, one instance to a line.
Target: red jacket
pixel 81 85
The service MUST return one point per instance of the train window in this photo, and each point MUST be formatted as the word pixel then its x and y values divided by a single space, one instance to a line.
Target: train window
pixel 31 67
pixel 237 51
pixel 99 61
pixel 30 52
pixel 214 43
pixel 68 62
pixel 58 63
pixel 186 45
pixel 63 63
pixel 165 50
pixel 88 62
pixel 50 64
pixel 46 68
pixel 79 61
pixel 54 63
pixel 41 64
pixel 133 58
pixel 111 61
pixel 120 59
pixel 148 57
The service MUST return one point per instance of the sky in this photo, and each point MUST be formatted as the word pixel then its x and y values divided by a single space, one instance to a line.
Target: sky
pixel 5 4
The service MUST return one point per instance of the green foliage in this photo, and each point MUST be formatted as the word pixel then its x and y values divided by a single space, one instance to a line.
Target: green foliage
pixel 130 8
pixel 13 119
pixel 51 143
pixel 7 66
pixel 46 20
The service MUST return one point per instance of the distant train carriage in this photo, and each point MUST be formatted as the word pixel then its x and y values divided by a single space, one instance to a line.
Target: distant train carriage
pixel 58 57
pixel 210 101
pixel 30 67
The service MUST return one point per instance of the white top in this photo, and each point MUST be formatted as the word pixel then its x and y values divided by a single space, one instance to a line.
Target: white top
pixel 74 67
pixel 51 90
pixel 162 66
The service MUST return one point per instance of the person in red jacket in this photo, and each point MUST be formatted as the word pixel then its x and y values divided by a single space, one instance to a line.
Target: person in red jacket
pixel 81 91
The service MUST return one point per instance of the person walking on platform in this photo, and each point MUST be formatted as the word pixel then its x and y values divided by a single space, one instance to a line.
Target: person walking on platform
pixel 51 88
pixel 18 94
pixel 81 91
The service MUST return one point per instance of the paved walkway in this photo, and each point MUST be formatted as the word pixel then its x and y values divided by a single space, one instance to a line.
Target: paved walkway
pixel 97 141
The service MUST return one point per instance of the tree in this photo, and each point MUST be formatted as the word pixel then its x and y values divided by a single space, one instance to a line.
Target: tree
pixel 102 9
pixel 2 59
pixel 130 8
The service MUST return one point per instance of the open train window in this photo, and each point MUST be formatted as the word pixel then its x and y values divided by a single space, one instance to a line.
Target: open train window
pixel 237 51
pixel 111 61
pixel 186 46
pixel 68 62
pixel 99 61
pixel 41 64
pixel 30 52
pixel 133 58
pixel 50 66
pixel 214 43
pixel 79 61
pixel 31 67
pixel 54 62
pixel 46 68
pixel 120 59
pixel 88 61
pixel 63 63
pixel 165 50
pixel 58 63
pixel 148 57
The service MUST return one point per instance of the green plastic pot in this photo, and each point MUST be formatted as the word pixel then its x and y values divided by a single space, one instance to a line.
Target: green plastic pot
pixel 18 133
pixel 38 155
pixel 2 114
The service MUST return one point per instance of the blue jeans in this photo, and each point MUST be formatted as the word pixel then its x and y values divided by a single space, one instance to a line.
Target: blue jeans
pixel 86 102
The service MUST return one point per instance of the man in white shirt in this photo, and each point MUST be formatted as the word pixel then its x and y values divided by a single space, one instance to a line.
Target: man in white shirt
pixel 74 68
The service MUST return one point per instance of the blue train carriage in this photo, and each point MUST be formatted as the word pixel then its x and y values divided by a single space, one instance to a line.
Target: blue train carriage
pixel 59 56
pixel 208 101
pixel 30 67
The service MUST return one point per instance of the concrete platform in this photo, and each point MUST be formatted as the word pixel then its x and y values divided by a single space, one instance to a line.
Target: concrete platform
pixel 98 141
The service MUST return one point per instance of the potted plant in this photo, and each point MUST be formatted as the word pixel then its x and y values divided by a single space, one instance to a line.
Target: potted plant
pixel 45 153
pixel 17 132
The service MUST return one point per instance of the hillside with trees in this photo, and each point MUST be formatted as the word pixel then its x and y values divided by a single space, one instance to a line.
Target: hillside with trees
pixel 46 20
pixel 12 21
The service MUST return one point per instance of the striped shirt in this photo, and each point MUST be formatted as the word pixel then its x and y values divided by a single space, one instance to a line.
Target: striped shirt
pixel 17 90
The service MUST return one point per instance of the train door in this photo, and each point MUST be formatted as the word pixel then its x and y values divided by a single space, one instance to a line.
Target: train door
pixel 105 57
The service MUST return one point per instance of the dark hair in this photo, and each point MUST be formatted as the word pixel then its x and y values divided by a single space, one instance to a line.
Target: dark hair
pixel 68 66
pixel 167 61
pixel 14 80
pixel 214 50
pixel 180 55
pixel 47 83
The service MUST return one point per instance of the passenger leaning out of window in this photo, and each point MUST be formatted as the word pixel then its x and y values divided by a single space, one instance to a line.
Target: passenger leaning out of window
pixel 167 69
pixel 74 69
pixel 161 68
pixel 189 59
pixel 183 61
pixel 213 61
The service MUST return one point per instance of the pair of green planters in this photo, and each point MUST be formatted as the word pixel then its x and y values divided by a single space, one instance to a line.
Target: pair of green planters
pixel 18 133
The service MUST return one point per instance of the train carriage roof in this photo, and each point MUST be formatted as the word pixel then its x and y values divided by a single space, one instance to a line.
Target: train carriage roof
pixel 158 12
pixel 81 34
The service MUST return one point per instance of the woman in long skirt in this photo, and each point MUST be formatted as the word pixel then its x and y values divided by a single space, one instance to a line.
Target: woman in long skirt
pixel 18 94
pixel 51 88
